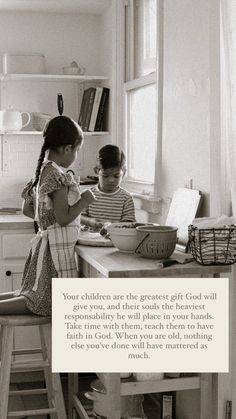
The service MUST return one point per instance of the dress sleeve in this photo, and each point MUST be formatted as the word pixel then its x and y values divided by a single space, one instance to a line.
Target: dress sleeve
pixel 128 210
pixel 27 192
pixel 51 183
pixel 54 181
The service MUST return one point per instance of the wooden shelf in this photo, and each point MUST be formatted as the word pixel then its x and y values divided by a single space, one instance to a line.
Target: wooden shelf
pixel 21 133
pixel 158 386
pixel 51 78
pixel 40 133
pixel 131 386
pixel 95 133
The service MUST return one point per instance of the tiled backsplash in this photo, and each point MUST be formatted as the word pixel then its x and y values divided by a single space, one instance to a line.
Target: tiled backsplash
pixel 18 159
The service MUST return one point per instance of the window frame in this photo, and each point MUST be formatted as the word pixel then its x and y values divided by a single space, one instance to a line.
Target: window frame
pixel 125 71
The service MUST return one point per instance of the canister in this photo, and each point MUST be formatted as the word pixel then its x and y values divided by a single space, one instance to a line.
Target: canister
pixel 23 63
pixel 98 395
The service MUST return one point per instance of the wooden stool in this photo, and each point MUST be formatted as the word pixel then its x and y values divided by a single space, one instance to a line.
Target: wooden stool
pixel 53 383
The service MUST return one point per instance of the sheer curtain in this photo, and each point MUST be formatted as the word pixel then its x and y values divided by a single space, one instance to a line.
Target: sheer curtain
pixel 228 19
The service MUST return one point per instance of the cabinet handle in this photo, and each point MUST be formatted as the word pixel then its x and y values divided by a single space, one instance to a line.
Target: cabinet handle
pixel 8 273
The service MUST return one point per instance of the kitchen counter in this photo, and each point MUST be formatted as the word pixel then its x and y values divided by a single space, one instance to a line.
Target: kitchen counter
pixel 15 221
pixel 110 262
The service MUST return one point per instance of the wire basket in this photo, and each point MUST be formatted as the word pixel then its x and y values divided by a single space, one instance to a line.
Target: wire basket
pixel 213 246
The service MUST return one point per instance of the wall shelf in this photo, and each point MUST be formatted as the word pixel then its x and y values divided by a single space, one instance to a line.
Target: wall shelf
pixel 21 133
pixel 95 133
pixel 51 78
pixel 40 133
pixel 131 386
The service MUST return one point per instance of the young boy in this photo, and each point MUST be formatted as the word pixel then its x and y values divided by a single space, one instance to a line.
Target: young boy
pixel 112 203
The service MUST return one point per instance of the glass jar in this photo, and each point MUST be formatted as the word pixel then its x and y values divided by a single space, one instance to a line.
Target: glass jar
pixel 135 409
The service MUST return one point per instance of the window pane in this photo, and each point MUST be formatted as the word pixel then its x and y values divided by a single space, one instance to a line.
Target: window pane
pixel 145 18
pixel 142 133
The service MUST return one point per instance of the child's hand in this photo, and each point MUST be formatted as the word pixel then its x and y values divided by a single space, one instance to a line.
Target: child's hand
pixel 88 196
pixel 97 225
pixel 103 230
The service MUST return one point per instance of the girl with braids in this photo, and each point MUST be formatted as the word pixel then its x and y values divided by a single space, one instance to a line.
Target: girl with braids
pixel 113 204
pixel 53 199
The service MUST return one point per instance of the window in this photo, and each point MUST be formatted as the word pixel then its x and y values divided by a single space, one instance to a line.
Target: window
pixel 141 135
pixel 140 98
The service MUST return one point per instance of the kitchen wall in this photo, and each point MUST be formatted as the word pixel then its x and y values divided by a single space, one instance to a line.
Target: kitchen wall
pixel 62 38
pixel 186 116
pixel 186 108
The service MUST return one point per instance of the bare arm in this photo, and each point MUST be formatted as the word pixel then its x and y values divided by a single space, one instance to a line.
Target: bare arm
pixel 91 222
pixel 64 213
pixel 28 208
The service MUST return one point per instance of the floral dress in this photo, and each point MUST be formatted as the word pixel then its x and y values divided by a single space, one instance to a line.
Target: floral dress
pixel 52 251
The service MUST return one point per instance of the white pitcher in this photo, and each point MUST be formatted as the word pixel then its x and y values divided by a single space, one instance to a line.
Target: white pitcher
pixel 12 120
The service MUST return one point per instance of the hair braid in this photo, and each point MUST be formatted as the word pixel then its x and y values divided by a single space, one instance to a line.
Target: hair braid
pixel 39 165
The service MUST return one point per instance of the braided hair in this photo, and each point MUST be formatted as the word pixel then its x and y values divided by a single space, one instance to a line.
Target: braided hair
pixel 59 131
pixel 110 156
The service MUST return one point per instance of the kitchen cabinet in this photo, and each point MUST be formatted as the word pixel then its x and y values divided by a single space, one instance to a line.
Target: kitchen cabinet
pixel 14 249
pixel 115 387
pixel 108 263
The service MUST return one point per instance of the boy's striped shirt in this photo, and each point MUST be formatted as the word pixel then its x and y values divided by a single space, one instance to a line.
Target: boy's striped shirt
pixel 114 207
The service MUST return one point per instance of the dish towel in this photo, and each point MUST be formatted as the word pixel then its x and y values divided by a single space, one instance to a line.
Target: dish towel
pixel 62 242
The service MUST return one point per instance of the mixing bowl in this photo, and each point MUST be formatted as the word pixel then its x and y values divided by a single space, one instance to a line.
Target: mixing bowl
pixel 40 120
pixel 124 236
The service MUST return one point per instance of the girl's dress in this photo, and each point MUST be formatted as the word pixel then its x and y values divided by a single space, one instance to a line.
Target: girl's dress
pixel 52 252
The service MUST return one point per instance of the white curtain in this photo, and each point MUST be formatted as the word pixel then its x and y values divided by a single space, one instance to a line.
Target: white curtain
pixel 228 19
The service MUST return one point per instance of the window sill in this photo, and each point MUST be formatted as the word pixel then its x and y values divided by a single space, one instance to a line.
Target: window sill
pixel 147 203
pixel 144 198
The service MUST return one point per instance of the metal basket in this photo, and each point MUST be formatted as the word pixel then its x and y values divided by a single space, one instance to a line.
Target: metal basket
pixel 213 246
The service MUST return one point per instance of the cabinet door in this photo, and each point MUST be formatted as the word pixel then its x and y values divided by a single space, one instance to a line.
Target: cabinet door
pixel 5 279
pixel 88 271
pixel 16 246
pixel 24 337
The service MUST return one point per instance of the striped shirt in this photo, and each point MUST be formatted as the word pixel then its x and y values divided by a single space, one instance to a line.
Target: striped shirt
pixel 114 207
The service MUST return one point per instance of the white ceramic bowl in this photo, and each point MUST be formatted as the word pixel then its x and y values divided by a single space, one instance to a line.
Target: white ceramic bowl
pixel 124 236
pixel 40 120
pixel 71 71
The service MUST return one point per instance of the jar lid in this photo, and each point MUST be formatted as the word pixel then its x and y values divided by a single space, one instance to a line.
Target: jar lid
pixel 97 385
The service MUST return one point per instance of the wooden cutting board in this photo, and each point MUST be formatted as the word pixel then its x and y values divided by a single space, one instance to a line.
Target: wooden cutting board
pixel 88 238
pixel 182 211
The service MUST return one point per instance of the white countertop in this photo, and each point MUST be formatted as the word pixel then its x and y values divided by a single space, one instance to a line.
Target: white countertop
pixel 15 221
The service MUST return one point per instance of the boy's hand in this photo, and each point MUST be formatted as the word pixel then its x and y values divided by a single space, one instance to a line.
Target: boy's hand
pixel 88 196
pixel 103 230
pixel 97 225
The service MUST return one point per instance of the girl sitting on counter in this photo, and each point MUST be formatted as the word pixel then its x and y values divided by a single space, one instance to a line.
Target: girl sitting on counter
pixel 112 203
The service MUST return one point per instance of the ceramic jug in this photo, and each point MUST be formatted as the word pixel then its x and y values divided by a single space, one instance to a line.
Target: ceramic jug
pixel 12 120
